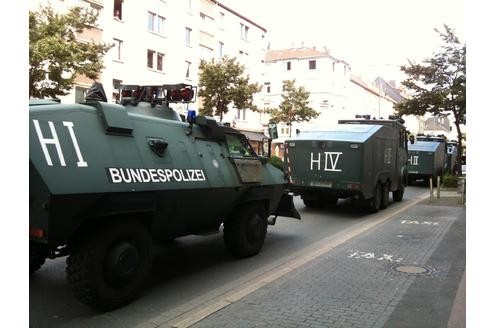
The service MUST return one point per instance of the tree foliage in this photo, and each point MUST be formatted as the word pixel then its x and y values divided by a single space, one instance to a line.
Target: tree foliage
pixel 222 83
pixel 294 106
pixel 438 85
pixel 56 56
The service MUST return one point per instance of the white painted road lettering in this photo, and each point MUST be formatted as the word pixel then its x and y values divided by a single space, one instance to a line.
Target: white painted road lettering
pixel 131 175
pixel 373 256
pixel 54 141
pixel 429 223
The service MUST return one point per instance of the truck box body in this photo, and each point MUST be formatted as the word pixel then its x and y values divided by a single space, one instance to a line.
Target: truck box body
pixel 346 161
pixel 427 159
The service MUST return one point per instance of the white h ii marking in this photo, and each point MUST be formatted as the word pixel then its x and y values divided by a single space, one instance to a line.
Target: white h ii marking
pixel 413 160
pixel 54 141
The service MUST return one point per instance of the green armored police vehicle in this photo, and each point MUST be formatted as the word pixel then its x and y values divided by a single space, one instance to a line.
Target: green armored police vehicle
pixel 363 159
pixel 427 158
pixel 109 180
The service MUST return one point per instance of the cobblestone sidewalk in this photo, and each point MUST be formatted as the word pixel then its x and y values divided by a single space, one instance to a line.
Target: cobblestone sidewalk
pixel 403 273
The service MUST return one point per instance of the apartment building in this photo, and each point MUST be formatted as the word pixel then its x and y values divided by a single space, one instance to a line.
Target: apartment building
pixel 163 41
pixel 333 90
pixel 325 77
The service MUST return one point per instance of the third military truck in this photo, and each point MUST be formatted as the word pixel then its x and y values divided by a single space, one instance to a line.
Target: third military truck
pixel 361 159
pixel 427 158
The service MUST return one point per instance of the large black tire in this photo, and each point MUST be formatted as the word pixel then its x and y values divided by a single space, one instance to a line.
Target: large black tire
pixel 375 202
pixel 245 231
pixel 108 266
pixel 37 256
pixel 311 202
pixel 331 201
pixel 398 194
pixel 385 196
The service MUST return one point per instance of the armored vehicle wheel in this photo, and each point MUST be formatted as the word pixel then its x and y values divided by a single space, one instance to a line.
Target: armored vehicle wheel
pixel 37 256
pixel 244 233
pixel 385 196
pixel 398 194
pixel 376 201
pixel 331 201
pixel 311 202
pixel 107 266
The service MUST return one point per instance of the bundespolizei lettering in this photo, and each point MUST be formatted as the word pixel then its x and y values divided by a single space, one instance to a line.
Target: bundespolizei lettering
pixel 132 175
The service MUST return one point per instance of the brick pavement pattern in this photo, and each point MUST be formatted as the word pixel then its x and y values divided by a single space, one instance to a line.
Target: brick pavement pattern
pixel 357 284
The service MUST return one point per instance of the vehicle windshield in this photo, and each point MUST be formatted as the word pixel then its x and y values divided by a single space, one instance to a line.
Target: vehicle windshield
pixel 239 147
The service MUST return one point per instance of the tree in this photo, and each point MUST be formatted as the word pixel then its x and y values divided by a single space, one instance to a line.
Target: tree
pixel 222 83
pixel 56 57
pixel 439 85
pixel 294 106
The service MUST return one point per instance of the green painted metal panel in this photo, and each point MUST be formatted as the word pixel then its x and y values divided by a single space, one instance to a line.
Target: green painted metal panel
pixel 327 164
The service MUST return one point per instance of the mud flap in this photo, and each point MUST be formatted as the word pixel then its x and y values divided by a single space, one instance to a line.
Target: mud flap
pixel 285 208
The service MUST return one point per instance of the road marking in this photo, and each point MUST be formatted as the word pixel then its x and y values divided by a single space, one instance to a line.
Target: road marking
pixel 373 256
pixel 206 308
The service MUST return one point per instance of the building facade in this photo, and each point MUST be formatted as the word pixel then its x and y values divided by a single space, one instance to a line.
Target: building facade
pixel 333 90
pixel 163 41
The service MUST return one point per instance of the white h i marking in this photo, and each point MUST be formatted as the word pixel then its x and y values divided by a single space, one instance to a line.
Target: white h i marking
pixel 81 162
pixel 53 141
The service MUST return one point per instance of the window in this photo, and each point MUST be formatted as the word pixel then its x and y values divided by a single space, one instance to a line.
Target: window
pixel 312 64
pixel 188 68
pixel 222 18
pixel 268 87
pixel 156 23
pixel 205 52
pixel 118 49
pixel 188 36
pixel 151 21
pixel 244 31
pixel 288 66
pixel 157 57
pixel 151 55
pixel 239 146
pixel 220 49
pixel 117 9
pixel 189 6
pixel 243 112
pixel 160 25
pixel 159 61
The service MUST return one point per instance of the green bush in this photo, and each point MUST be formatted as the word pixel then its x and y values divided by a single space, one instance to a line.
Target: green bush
pixel 277 162
pixel 449 181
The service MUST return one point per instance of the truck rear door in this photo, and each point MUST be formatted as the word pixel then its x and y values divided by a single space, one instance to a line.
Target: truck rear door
pixel 323 163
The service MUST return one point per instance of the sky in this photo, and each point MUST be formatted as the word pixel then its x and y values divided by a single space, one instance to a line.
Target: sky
pixel 372 36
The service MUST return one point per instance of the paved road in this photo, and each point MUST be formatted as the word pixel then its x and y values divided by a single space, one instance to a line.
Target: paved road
pixel 192 270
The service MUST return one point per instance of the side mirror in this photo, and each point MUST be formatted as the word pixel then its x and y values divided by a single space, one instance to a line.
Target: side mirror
pixel 272 131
